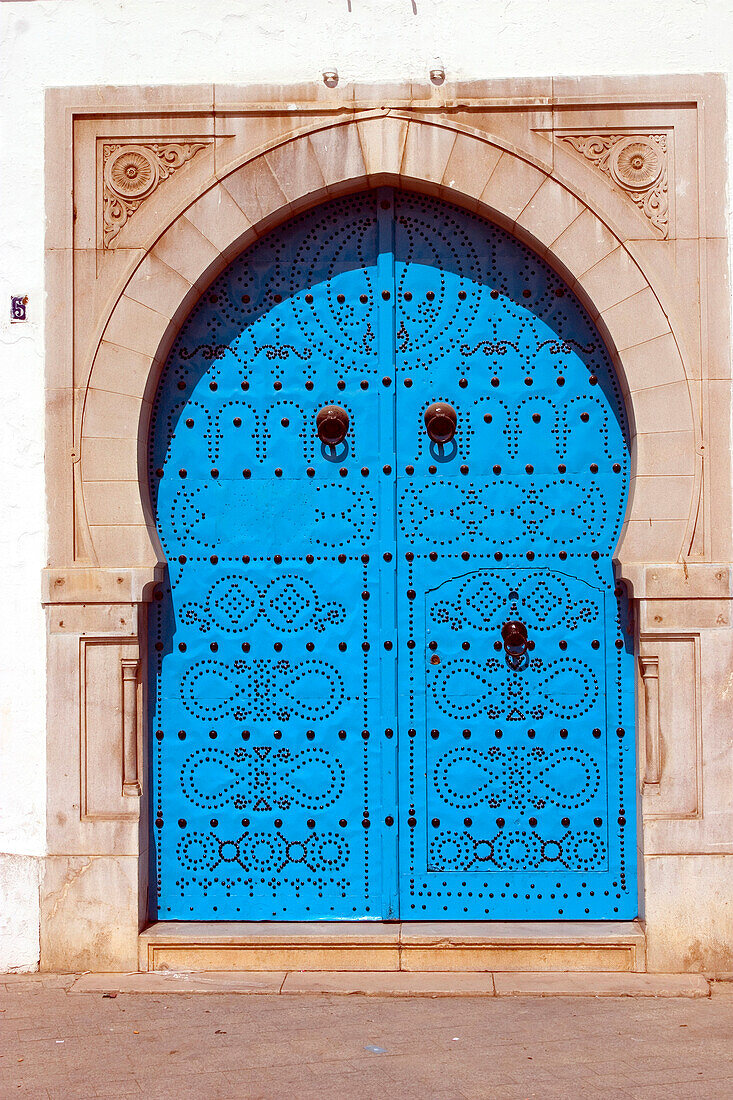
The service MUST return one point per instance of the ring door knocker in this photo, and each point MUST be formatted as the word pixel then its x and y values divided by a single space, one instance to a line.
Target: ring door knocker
pixel 516 644
pixel 441 420
pixel 332 424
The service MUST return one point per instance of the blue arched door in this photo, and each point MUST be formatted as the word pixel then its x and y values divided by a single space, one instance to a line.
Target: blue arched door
pixel 346 723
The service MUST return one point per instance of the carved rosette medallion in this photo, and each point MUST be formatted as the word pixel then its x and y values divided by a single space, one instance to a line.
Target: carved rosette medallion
pixel 131 173
pixel 636 164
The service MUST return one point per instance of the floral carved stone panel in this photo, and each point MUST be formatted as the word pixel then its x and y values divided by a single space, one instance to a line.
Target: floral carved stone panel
pixel 130 175
pixel 637 165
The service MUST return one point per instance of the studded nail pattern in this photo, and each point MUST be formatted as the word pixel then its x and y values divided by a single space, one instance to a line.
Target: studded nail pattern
pixel 337 732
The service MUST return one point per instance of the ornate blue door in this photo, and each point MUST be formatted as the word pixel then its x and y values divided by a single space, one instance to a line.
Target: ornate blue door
pixel 391 675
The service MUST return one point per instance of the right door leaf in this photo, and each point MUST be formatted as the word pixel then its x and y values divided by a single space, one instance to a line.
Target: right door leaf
pixel 517 755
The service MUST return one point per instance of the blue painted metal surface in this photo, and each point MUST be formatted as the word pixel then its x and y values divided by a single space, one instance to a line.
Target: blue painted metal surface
pixel 338 731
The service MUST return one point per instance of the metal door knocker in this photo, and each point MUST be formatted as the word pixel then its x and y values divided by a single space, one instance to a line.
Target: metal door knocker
pixel 440 421
pixel 332 424
pixel 516 644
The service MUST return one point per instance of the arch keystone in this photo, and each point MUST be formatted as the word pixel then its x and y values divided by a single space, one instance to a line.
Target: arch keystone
pixel 427 151
pixel 382 145
pixel 339 155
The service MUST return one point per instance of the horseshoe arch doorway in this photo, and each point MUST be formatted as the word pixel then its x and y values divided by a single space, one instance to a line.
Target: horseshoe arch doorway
pixel 390 677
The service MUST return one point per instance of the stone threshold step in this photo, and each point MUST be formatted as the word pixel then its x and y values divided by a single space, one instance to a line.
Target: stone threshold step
pixel 417 947
pixel 400 984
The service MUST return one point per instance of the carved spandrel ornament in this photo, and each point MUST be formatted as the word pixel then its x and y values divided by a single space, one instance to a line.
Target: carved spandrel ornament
pixel 131 173
pixel 637 164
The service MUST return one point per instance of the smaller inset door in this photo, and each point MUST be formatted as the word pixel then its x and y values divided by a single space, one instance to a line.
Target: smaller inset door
pixel 513 764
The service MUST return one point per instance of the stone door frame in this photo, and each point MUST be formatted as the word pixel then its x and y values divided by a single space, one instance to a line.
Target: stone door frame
pixel 619 185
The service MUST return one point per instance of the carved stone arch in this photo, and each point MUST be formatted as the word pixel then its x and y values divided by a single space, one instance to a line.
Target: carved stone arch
pixel 487 176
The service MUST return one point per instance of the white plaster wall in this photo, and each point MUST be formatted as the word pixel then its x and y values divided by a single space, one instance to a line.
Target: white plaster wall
pixel 49 43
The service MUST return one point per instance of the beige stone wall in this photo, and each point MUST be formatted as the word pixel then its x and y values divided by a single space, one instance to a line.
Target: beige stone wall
pixel 618 184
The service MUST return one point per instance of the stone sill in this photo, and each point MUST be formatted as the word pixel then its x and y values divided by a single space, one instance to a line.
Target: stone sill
pixel 417 947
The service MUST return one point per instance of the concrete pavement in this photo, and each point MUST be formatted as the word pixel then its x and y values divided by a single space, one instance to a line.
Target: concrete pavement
pixel 61 1044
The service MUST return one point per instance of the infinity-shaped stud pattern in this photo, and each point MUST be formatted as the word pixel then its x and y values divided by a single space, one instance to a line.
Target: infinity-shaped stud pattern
pixel 261 778
pixel 565 688
pixel 517 778
pixel 262 689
